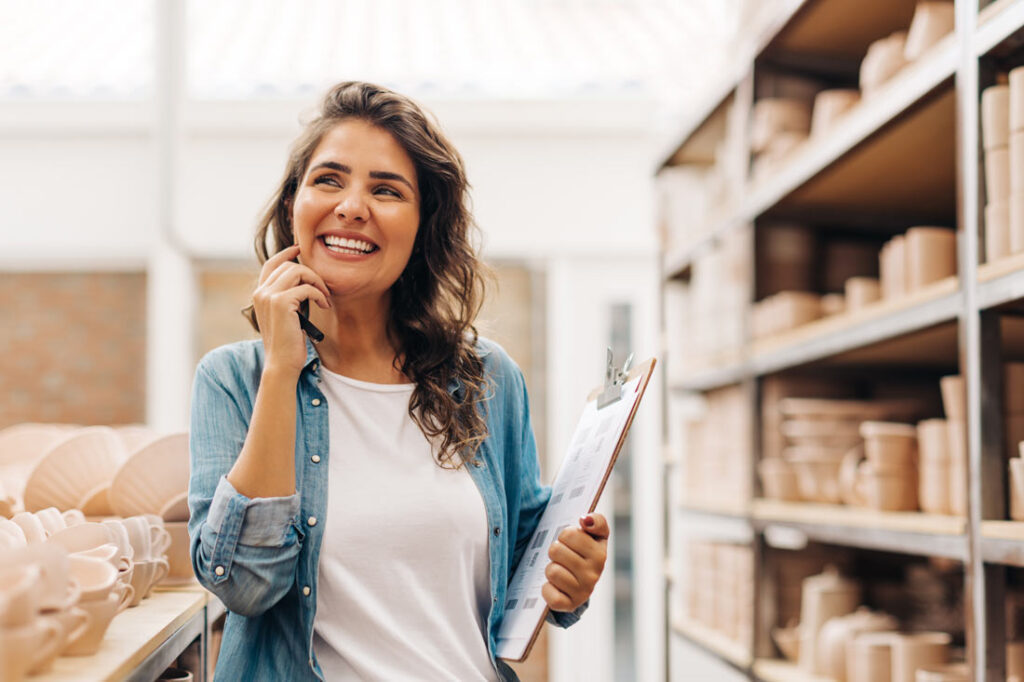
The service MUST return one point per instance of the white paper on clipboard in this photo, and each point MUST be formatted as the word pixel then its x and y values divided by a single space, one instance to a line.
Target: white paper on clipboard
pixel 573 494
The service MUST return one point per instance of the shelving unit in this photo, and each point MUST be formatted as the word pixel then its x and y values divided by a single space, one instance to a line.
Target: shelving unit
pixel 910 154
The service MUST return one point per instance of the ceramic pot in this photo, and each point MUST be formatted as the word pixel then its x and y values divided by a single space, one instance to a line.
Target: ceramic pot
pixel 73 624
pixel 995 116
pixel 837 632
pixel 918 650
pixel 1016 211
pixel 779 480
pixel 1016 467
pixel 954 397
pixel 861 292
pixel 829 106
pixel 997 231
pixel 997 175
pixel 824 596
pixel 930 255
pixel 889 492
pixel 882 61
pixel 890 447
pixel 1016 99
pixel 774 115
pixel 933 487
pixel 20 594
pixel 22 648
pixel 869 657
pixel 933 20
pixel 817 477
pixel 100 612
pixel 788 641
pixel 892 268
pixel 833 304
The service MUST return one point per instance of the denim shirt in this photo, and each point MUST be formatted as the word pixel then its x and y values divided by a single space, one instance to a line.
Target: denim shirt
pixel 260 556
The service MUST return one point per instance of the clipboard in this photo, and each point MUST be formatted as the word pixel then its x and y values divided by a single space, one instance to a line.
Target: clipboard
pixel 602 429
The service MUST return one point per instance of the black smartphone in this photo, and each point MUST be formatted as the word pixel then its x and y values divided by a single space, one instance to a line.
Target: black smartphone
pixel 311 330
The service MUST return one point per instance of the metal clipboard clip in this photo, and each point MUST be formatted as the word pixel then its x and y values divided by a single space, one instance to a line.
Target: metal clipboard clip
pixel 614 379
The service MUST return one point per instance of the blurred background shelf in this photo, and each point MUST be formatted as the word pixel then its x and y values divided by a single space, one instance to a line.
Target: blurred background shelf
pixel 997 22
pixel 1001 282
pixel 733 653
pixel 900 532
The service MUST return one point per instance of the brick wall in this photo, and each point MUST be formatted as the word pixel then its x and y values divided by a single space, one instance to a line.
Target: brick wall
pixel 72 347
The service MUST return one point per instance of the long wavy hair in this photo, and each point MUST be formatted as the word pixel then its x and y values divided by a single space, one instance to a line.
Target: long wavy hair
pixel 437 297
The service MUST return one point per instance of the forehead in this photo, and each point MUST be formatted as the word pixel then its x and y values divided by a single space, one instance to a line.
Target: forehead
pixel 364 147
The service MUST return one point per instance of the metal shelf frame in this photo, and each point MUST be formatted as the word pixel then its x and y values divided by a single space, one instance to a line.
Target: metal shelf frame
pixel 961 64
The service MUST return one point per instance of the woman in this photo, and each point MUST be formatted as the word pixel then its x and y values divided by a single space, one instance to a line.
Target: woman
pixel 359 505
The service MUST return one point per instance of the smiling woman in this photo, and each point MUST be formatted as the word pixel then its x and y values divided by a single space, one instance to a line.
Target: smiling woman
pixel 360 505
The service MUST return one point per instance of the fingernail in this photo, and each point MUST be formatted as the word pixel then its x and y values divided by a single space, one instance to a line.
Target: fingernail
pixel 587 520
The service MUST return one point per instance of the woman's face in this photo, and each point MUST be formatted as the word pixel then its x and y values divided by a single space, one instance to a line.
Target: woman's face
pixel 357 210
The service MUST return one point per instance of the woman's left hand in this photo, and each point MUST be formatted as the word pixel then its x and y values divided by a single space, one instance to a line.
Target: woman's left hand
pixel 577 561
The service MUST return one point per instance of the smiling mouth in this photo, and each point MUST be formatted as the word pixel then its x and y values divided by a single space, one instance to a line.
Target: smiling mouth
pixel 354 247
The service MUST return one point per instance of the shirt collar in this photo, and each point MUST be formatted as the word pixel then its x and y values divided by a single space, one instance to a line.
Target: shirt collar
pixel 312 357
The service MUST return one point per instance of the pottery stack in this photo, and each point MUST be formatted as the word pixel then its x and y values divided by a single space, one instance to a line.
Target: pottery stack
pixel 716 460
pixel 1016 161
pixel 954 402
pixel 995 137
pixel 721 584
pixel 1013 418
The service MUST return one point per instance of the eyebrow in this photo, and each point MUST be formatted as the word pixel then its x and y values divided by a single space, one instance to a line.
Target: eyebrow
pixel 379 175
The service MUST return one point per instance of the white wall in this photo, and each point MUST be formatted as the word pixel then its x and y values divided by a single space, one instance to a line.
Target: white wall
pixel 566 186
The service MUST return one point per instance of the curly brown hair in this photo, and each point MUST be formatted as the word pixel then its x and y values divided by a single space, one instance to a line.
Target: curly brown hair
pixel 437 297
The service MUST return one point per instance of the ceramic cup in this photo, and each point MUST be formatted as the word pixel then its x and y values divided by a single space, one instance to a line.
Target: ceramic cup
pixel 24 647
pixel 147 575
pixel 73 624
pixel 56 590
pixel 11 535
pixel 19 594
pixel 140 535
pixel 159 537
pixel 81 537
pixel 100 612
pixel 95 577
pixel 31 526
pixel 918 650
pixel 175 675
pixel 73 517
pixel 119 535
pixel 51 519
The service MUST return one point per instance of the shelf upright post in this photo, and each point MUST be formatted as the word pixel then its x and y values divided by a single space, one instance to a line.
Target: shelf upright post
pixel 970 332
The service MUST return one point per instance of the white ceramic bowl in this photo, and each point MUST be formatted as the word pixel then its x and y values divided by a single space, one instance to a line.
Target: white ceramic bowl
pixel 151 477
pixel 73 467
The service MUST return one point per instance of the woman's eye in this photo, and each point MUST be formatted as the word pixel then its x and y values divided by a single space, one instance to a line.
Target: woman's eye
pixel 326 179
pixel 389 190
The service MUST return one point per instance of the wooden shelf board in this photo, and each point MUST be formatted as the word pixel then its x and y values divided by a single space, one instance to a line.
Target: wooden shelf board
pixel 840 28
pixel 777 670
pixel 715 642
pixel 894 152
pixel 1001 282
pixel 133 635
pixel 1009 265
pixel 815 337
pixel 808 513
pixel 1003 530
pixel 734 510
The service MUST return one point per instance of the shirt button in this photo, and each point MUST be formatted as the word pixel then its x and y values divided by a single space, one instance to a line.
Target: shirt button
pixel 316 401
pixel 313 366
pixel 311 521
pixel 316 459
pixel 219 570
pixel 306 590
pixel 497 530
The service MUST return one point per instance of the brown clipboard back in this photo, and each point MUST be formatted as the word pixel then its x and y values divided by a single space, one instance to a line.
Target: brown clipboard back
pixel 644 370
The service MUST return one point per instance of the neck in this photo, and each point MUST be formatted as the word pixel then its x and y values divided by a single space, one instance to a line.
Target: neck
pixel 356 342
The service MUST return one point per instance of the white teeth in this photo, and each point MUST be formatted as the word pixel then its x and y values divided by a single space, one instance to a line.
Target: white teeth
pixel 348 245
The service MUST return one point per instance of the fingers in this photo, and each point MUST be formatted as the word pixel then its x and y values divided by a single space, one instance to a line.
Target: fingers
pixel 289 274
pixel 295 295
pixel 560 577
pixel 582 544
pixel 569 559
pixel 556 599
pixel 282 256
pixel 598 527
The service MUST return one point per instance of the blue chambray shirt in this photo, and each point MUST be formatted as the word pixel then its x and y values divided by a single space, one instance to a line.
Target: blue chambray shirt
pixel 260 556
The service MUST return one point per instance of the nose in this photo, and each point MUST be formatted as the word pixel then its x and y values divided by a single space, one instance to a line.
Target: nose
pixel 351 207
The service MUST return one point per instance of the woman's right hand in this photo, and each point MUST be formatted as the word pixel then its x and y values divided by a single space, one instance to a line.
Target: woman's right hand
pixel 283 286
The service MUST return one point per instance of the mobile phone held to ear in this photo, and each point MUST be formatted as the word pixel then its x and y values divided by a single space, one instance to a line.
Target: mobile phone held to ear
pixel 311 329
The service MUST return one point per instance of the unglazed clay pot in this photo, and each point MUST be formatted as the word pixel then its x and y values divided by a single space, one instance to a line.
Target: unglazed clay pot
pixel 918 650
pixel 838 632
pixel 817 476
pixel 995 117
pixel 933 487
pixel 957 467
pixel 825 596
pixel 1016 467
pixel 997 231
pixel 997 175
pixel 788 641
pixel 1016 99
pixel 890 447
pixel 835 304
pixel 882 61
pixel 889 492
pixel 861 292
pixel 774 115
pixel 24 647
pixel 779 479
pixel 1016 211
pixel 893 268
pixel 954 397
pixel 869 657
pixel 933 20
pixel 829 106
pixel 930 255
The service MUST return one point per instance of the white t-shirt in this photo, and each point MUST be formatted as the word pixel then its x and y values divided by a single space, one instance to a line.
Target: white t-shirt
pixel 404 573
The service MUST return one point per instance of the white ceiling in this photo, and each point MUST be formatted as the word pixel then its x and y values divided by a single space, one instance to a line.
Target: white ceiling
pixel 255 49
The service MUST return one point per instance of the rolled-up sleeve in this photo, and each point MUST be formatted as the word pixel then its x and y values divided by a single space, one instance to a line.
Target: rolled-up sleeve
pixel 243 549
